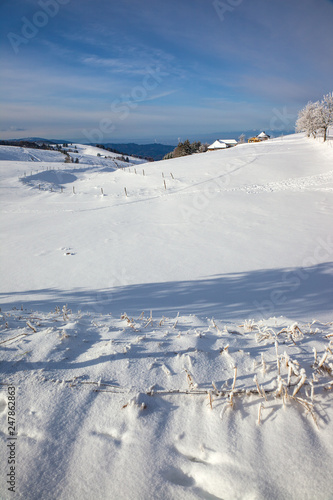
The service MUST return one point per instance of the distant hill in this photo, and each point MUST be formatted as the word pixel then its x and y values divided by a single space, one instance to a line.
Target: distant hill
pixel 155 151
pixel 37 140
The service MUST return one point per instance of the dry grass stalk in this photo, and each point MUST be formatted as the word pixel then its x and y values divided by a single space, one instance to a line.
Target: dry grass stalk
pixel 279 390
pixel 210 398
pixel 150 322
pixel 286 359
pixel 130 321
pixel 215 326
pixel 166 370
pixel 249 325
pixel 263 363
pixel 260 407
pixel 278 365
pixel 175 323
pixel 325 369
pixel 290 372
pixel 300 383
pixel 31 326
pixel 263 335
pixel 263 393
pixel 65 313
pixel 312 391
pixel 309 407
pixel 189 379
pixel 294 332
pixel 234 381
pixel 323 359
pixel 257 384
pixel 285 396
pixel 12 338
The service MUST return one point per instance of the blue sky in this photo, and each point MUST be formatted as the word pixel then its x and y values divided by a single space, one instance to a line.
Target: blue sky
pixel 100 70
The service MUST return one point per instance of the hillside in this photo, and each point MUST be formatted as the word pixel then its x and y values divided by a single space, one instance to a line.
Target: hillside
pixel 89 155
pixel 173 340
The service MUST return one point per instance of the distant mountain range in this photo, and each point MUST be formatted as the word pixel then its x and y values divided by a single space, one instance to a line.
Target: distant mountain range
pixel 155 150
pixel 38 140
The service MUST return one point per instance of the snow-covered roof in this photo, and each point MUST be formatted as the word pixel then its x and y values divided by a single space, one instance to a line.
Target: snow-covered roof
pixel 222 143
pixel 218 145
pixel 229 141
pixel 262 135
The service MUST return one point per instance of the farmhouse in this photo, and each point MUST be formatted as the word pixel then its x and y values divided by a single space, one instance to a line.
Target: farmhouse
pixel 259 138
pixel 222 144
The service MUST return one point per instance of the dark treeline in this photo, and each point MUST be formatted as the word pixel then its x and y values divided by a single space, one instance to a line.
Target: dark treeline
pixel 186 148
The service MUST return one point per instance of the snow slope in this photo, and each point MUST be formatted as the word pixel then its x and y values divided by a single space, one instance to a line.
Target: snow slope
pixel 85 154
pixel 13 153
pixel 174 342
pixel 255 217
pixel 89 155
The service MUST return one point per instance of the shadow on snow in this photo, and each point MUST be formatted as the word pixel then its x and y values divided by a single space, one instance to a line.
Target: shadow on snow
pixel 298 293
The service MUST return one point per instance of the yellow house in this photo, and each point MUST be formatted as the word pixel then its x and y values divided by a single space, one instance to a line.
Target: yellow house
pixel 259 138
pixel 254 139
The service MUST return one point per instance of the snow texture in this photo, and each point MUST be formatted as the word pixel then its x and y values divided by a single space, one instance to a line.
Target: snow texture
pixel 172 339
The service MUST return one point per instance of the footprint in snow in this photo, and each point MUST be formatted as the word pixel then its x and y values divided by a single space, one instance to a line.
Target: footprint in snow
pixel 67 251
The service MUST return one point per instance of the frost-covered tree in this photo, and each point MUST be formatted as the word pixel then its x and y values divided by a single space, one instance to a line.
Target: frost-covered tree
pixel 307 120
pixel 316 117
pixel 325 114
pixel 203 148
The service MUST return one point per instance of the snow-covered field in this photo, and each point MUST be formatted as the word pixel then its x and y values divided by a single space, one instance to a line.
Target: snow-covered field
pixel 168 327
